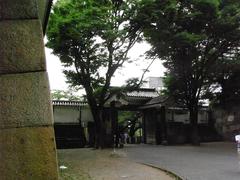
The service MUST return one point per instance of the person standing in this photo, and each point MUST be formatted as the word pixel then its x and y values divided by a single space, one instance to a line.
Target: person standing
pixel 237 139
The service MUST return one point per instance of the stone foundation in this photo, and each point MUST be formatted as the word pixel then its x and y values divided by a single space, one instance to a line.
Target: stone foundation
pixel 27 143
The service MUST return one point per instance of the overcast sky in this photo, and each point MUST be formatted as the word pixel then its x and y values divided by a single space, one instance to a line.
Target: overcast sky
pixel 135 69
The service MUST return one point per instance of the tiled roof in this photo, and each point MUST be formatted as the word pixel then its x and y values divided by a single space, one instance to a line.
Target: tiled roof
pixel 136 98
pixel 157 102
pixel 68 103
pixel 148 93
pixel 159 99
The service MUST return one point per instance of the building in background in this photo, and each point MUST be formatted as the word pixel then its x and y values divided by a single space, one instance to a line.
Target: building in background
pixel 71 119
pixel 162 120
pixel 154 82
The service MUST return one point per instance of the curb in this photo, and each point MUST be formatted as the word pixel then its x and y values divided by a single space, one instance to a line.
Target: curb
pixel 177 177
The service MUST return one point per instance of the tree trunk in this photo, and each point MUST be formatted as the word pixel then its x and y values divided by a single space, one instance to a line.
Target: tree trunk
pixel 195 139
pixel 96 118
pixel 114 120
pixel 99 128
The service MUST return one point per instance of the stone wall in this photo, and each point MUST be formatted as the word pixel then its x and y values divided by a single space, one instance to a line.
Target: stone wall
pixel 227 122
pixel 27 143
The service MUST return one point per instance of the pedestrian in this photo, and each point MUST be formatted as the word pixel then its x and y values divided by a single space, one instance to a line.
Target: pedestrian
pixel 237 139
pixel 125 137
pixel 120 142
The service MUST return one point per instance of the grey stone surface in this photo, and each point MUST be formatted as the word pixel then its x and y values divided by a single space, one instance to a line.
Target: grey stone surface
pixel 28 154
pixel 18 9
pixel 25 100
pixel 21 47
pixel 41 8
pixel 210 161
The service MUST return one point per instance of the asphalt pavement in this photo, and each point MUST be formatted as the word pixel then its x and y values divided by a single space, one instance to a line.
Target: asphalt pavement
pixel 210 161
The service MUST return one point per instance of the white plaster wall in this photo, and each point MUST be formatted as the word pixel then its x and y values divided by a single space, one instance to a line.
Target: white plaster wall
pixel 86 115
pixel 184 117
pixel 65 114
pixel 71 114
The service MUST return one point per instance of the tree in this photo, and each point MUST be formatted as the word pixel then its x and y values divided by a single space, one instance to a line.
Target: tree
pixel 227 93
pixel 65 95
pixel 192 38
pixel 92 38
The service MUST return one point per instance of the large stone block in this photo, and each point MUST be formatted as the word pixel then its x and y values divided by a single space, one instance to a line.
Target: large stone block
pixel 25 100
pixel 28 154
pixel 42 7
pixel 21 47
pixel 18 9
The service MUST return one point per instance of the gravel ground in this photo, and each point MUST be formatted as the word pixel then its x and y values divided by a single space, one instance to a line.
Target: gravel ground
pixel 86 164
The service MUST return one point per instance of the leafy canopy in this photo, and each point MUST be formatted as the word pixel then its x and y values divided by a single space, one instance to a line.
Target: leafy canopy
pixel 92 39
pixel 69 95
pixel 193 38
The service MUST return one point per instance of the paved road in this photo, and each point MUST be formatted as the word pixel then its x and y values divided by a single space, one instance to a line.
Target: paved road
pixel 210 161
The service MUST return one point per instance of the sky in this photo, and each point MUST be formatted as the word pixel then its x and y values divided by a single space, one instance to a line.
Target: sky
pixel 135 69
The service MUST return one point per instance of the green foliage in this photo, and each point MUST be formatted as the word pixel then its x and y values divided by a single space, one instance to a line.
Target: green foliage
pixel 227 93
pixel 124 116
pixel 130 122
pixel 194 39
pixel 91 37
pixel 65 95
